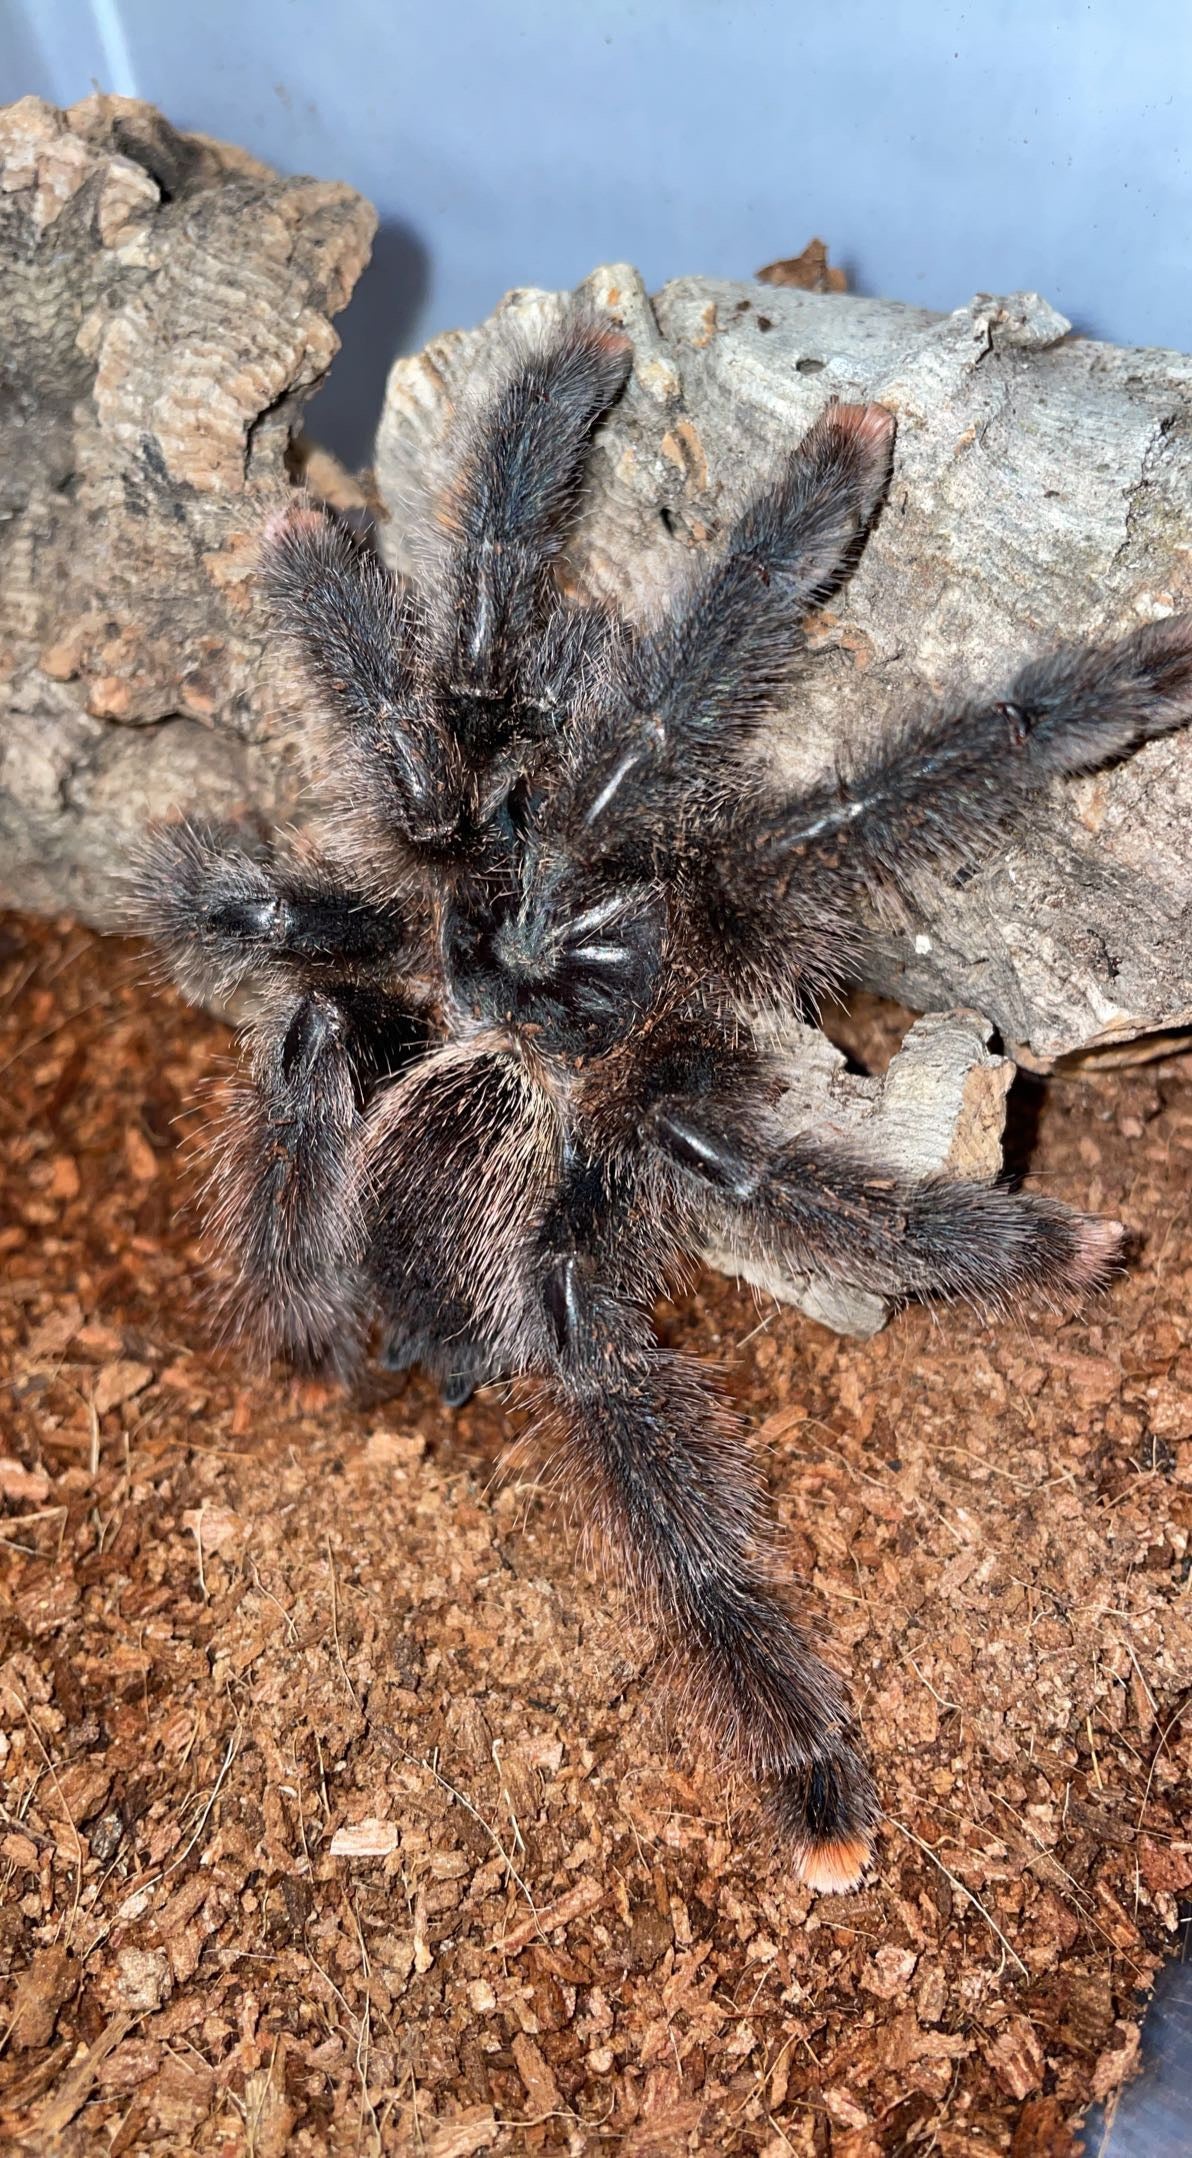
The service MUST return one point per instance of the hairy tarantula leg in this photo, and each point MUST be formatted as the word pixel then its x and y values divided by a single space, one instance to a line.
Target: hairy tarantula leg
pixel 359 638
pixel 507 511
pixel 938 798
pixel 819 1210
pixel 457 1389
pixel 701 680
pixel 458 1366
pixel 284 1191
pixel 725 656
pixel 221 912
pixel 655 1456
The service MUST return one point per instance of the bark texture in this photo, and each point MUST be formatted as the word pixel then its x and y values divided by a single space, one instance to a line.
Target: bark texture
pixel 165 307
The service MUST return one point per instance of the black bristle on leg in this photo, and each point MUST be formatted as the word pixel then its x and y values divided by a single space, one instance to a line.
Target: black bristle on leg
pixel 223 909
pixel 660 1465
pixel 681 704
pixel 286 1199
pixel 360 641
pixel 721 662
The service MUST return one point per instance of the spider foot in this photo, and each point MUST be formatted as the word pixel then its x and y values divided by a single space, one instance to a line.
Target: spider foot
pixel 457 1367
pixel 826 1815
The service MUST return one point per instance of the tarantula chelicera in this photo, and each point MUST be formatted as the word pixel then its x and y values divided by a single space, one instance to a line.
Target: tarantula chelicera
pixel 508 1068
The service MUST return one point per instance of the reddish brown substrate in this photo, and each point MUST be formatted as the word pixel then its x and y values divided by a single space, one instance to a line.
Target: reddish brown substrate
pixel 240 1617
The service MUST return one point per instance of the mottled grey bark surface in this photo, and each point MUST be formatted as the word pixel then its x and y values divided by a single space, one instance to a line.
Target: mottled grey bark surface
pixel 1042 490
pixel 165 309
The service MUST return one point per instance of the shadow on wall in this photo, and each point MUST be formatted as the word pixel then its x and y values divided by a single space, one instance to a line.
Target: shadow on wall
pixel 376 325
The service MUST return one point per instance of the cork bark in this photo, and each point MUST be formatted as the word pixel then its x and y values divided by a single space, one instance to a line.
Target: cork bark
pixel 165 311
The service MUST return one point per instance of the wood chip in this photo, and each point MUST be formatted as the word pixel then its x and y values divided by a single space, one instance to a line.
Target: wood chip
pixel 365 1839
pixel 809 272
pixel 217 1528
pixel 541 2088
pixel 475 2129
pixel 41 1990
pixel 20 1484
pixel 119 1382
pixel 584 1897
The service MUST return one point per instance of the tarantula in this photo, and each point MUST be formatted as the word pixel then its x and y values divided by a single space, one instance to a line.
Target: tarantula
pixel 508 1068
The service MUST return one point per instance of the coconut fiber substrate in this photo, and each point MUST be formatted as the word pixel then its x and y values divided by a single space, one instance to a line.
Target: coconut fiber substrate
pixel 340 1809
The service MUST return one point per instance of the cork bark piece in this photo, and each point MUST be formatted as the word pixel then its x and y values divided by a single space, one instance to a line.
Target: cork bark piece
pixel 165 310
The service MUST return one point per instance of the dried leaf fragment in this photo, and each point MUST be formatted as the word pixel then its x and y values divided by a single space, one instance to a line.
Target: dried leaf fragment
pixel 809 272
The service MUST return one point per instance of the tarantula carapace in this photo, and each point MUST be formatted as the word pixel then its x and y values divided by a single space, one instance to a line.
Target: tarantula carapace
pixel 508 1070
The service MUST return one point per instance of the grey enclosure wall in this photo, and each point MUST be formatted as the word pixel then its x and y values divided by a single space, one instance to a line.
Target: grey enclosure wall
pixel 940 149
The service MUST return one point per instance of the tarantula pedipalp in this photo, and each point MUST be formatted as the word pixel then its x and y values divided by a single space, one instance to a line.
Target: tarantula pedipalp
pixel 508 1074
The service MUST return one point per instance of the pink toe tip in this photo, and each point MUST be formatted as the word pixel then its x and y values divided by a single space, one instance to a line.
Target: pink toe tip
pixel 1098 1246
pixel 835 1867
pixel 871 425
